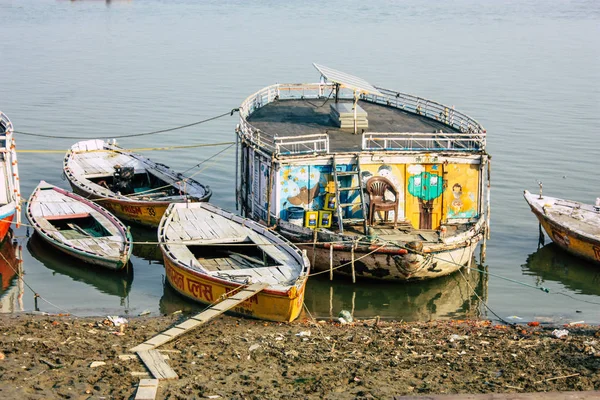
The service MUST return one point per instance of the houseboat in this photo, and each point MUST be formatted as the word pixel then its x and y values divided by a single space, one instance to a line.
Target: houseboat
pixel 372 182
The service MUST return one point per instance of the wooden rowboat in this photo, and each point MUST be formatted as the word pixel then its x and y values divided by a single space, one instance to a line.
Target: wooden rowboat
pixel 209 252
pixel 79 227
pixel 571 225
pixel 10 193
pixel 131 186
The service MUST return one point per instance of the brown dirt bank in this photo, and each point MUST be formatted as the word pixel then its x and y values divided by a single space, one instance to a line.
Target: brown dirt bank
pixel 50 357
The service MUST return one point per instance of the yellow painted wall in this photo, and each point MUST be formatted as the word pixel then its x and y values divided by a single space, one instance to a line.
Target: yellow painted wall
pixel 450 191
pixel 462 191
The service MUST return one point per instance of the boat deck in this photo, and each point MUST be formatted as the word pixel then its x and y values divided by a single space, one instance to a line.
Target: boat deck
pixel 204 229
pixel 404 232
pixel 48 205
pixel 309 117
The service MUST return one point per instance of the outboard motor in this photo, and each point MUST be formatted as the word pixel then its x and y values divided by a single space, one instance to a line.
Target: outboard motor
pixel 123 179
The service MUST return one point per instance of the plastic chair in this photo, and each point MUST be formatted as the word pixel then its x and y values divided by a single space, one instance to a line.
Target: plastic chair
pixel 376 187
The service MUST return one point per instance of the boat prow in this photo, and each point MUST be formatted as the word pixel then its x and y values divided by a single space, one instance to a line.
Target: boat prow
pixel 572 225
pixel 79 227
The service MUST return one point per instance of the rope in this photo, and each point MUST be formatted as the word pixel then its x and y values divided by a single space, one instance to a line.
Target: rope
pixel 133 134
pixel 347 263
pixel 137 149
pixel 325 102
pixel 36 294
pixel 184 181
pixel 576 299
pixel 211 157
pixel 543 289
pixel 483 301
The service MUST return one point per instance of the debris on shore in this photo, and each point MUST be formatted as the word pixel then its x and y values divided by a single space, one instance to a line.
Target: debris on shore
pixel 53 356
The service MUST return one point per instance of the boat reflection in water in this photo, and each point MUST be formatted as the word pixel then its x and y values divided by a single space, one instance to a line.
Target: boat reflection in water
pixel 172 301
pixel 456 296
pixel 115 283
pixel 551 263
pixel 11 267
pixel 149 252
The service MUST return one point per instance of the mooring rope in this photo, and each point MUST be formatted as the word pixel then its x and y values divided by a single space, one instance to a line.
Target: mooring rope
pixel 483 301
pixel 36 295
pixel 191 146
pixel 230 113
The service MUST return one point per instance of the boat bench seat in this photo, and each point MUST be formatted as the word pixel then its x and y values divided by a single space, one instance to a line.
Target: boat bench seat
pixel 274 274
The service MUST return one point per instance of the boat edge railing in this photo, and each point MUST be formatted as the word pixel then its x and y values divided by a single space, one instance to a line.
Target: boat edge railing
pixel 471 135
pixel 416 141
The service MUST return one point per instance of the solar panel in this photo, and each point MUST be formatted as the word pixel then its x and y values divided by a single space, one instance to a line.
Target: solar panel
pixel 347 80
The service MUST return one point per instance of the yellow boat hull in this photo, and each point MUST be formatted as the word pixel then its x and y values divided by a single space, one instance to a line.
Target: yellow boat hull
pixel 570 241
pixel 573 226
pixel 140 212
pixel 268 304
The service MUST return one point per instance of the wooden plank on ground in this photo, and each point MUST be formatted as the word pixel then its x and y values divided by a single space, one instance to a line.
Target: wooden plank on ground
pixel 147 389
pixel 200 318
pixel 157 365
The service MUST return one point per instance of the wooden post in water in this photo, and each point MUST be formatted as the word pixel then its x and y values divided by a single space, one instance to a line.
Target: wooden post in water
pixel 330 261
pixel 353 273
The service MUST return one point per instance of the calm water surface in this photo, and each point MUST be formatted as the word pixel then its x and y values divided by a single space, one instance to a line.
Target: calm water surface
pixel 527 70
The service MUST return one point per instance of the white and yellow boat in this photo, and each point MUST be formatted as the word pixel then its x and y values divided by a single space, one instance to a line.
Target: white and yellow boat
pixel 209 252
pixel 572 225
pixel 131 186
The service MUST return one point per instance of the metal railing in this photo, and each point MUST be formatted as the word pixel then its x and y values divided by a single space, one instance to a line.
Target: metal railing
pixel 411 141
pixel 427 108
pixel 285 145
pixel 7 126
pixel 470 138
pixel 307 144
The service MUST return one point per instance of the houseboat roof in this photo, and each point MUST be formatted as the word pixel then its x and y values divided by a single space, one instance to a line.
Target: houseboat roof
pixel 295 118
pixel 348 115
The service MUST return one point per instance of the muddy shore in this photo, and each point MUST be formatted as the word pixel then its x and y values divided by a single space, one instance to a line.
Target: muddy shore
pixel 46 357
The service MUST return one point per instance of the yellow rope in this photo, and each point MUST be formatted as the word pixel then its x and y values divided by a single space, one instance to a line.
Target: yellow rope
pixel 137 149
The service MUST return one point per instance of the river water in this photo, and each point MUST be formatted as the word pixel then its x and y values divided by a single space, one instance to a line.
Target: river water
pixel 529 71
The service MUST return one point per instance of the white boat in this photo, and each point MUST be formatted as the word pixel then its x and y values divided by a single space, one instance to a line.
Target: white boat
pixel 572 225
pixel 79 227
pixel 209 252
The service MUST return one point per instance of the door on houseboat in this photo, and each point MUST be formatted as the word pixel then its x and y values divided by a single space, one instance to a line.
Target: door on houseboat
pixel 425 185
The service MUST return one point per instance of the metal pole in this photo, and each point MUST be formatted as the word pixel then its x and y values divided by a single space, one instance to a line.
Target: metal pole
pixel 237 170
pixel 355 105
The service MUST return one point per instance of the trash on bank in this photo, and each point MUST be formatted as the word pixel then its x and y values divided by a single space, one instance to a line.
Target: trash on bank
pixel 97 364
pixel 455 337
pixel 117 321
pixel 346 316
pixel 559 333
